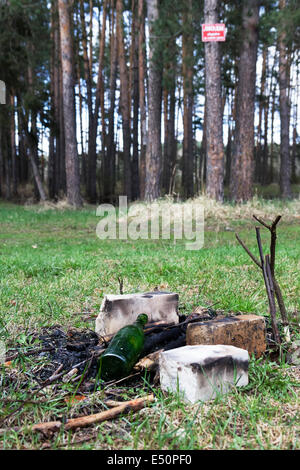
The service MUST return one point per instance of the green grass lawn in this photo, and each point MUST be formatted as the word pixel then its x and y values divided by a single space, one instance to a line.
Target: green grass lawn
pixel 54 269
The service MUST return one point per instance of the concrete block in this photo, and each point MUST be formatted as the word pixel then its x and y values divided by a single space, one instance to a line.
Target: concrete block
pixel 243 331
pixel 201 372
pixel 121 310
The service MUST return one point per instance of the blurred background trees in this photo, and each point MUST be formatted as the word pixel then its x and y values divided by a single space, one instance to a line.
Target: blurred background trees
pixel 110 97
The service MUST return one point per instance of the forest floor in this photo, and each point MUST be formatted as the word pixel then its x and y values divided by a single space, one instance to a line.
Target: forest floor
pixel 54 271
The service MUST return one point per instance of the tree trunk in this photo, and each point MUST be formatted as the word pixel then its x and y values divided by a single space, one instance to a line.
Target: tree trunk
pixel 142 97
pixel 265 153
pixel 203 154
pixel 260 167
pixel 72 161
pixel 213 107
pixel 188 101
pixel 124 100
pixel 134 87
pixel 14 167
pixel 166 138
pixel 35 170
pixel 23 160
pixel 99 100
pixel 285 161
pixel 62 139
pixel 110 156
pixel 92 157
pixel 295 134
pixel 170 144
pixel 53 138
pixel 154 151
pixel 7 163
pixel 31 144
pixel 51 161
pixel 228 157
pixel 242 165
pixel 273 109
pixel 59 161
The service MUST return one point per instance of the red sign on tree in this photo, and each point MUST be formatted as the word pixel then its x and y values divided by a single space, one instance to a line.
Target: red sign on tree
pixel 213 32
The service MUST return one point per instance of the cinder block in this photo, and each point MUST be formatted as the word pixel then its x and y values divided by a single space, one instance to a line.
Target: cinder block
pixel 202 372
pixel 243 331
pixel 121 310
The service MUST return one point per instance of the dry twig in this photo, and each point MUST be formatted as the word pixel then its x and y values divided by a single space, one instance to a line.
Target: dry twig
pixel 84 421
pixel 267 265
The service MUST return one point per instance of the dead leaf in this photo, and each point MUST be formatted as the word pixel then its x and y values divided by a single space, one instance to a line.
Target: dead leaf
pixel 8 364
pixel 75 399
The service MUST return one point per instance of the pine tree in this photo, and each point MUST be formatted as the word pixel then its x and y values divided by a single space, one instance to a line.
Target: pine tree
pixel 242 160
pixel 154 149
pixel 67 60
pixel 214 115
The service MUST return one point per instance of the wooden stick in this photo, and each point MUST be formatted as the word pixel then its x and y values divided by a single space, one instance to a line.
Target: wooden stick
pixel 83 421
pixel 260 249
pixel 126 407
pixel 248 251
pixel 272 301
pixel 272 229
pixel 267 266
pixel 269 286
pixel 278 294
pixel 262 222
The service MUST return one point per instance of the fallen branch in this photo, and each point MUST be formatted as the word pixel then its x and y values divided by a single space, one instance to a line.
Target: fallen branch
pixel 84 421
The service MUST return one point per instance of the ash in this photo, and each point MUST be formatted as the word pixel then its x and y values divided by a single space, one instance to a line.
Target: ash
pixel 69 349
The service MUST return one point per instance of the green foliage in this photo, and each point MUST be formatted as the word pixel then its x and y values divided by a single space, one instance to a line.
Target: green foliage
pixel 274 22
pixel 24 45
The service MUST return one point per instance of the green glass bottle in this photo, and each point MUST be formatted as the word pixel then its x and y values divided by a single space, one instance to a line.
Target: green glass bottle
pixel 123 351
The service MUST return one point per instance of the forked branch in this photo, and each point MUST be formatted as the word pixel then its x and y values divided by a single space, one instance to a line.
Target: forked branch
pixel 267 265
pixel 272 228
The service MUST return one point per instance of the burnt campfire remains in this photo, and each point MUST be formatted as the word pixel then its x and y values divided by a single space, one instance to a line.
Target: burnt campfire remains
pixel 73 356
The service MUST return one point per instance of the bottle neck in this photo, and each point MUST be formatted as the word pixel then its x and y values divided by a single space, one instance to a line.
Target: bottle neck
pixel 140 324
pixel 141 321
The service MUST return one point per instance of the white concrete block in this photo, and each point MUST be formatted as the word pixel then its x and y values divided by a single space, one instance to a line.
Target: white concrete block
pixel 201 372
pixel 121 310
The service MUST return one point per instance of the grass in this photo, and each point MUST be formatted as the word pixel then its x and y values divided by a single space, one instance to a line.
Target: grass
pixel 54 270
